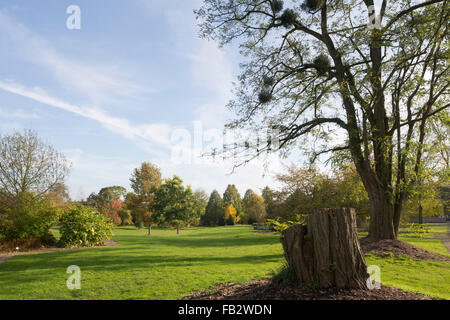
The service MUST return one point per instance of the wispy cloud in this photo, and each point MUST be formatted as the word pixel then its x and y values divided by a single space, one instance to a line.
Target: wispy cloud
pixel 147 136
pixel 100 83
pixel 95 84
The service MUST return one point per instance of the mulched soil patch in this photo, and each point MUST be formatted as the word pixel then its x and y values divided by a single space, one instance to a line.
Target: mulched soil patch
pixel 265 289
pixel 398 248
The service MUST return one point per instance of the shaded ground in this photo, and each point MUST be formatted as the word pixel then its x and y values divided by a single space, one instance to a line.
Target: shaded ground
pixel 399 248
pixel 445 239
pixel 265 289
pixel 7 255
pixel 446 243
pixel 165 266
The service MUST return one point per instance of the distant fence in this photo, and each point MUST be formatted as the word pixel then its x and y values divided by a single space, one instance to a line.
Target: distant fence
pixel 442 219
pixel 262 226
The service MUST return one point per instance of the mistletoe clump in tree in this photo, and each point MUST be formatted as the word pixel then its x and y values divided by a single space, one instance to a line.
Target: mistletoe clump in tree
pixel 317 70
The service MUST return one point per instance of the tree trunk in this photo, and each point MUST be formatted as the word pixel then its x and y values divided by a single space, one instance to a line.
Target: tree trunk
pixel 420 210
pixel 178 230
pixel 149 230
pixel 398 207
pixel 381 216
pixel 326 252
pixel 382 205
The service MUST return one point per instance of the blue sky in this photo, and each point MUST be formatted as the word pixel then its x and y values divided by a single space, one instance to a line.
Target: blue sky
pixel 120 90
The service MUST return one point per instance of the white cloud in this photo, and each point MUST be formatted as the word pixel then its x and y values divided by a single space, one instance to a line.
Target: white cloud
pixel 100 83
pixel 145 135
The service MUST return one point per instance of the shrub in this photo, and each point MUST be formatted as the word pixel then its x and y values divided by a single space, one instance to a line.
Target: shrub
pixel 255 210
pixel 114 216
pixel 230 217
pixel 84 226
pixel 418 229
pixel 139 224
pixel 280 226
pixel 141 218
pixel 126 217
pixel 27 217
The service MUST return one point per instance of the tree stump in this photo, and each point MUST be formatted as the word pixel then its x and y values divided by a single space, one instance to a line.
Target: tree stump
pixel 325 252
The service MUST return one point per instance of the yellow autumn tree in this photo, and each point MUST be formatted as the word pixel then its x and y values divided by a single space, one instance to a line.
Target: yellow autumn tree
pixel 231 217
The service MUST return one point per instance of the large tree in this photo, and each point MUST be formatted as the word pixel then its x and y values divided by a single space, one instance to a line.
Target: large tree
pixel 202 197
pixel 214 211
pixel 109 202
pixel 29 165
pixel 174 204
pixel 315 70
pixel 32 175
pixel 232 196
pixel 113 193
pixel 270 199
pixel 255 210
pixel 304 190
pixel 145 178
pixel 202 201
pixel 249 194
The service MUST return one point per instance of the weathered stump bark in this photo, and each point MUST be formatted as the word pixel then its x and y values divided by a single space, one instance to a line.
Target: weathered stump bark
pixel 326 250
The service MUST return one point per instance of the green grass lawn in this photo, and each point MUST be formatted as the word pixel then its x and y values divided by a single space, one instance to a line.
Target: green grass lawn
pixel 167 266
pixel 427 241
pixel 163 266
pixel 426 277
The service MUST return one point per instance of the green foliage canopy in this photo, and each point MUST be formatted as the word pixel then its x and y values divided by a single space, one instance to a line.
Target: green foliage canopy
pixel 174 204
pixel 214 211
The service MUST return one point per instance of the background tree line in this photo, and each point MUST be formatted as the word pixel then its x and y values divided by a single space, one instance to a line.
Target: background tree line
pixel 34 196
pixel 154 201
